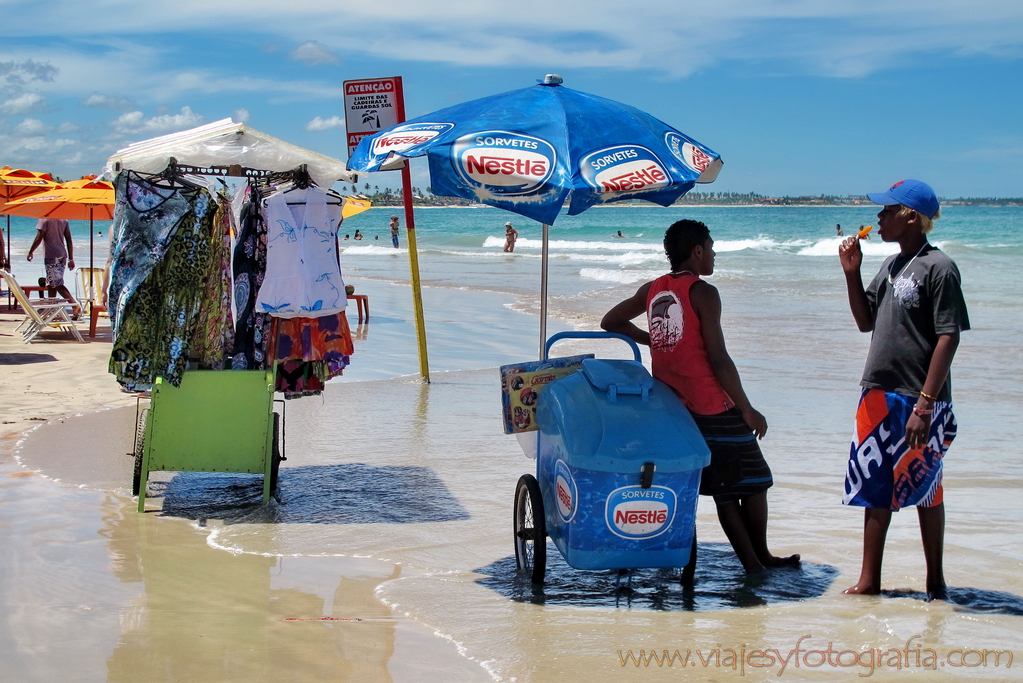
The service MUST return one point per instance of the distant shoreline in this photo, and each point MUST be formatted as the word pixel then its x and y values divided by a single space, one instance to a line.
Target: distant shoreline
pixel 701 206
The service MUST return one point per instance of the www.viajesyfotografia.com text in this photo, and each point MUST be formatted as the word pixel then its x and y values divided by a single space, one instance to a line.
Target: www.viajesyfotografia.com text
pixel 749 659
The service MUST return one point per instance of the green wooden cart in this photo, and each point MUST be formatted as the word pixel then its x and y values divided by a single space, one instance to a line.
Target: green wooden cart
pixel 216 421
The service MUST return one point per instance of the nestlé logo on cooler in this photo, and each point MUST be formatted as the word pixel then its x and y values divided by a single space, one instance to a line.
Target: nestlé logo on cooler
pixel 404 138
pixel 636 512
pixel 504 163
pixel 624 169
pixel 565 491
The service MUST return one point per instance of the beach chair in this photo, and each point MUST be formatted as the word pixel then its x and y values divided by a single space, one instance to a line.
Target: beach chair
pixel 93 282
pixel 41 314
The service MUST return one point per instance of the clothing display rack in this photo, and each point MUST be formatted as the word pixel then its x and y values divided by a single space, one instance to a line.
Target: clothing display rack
pixel 218 420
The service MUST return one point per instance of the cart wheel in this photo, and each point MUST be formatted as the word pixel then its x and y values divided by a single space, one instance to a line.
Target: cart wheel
pixel 275 462
pixel 689 571
pixel 530 529
pixel 140 449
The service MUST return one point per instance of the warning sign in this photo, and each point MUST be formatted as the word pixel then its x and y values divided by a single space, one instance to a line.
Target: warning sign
pixel 370 106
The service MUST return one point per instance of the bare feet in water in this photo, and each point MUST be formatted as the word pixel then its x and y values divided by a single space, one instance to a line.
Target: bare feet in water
pixel 772 561
pixel 863 588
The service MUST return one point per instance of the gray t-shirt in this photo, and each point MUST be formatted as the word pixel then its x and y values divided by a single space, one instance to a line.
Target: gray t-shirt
pixel 925 301
pixel 53 230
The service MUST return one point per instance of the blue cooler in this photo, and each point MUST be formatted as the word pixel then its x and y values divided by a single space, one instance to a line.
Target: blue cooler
pixel 618 464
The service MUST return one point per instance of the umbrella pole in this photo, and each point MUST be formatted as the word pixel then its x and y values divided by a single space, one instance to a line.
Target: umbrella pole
pixel 413 262
pixel 543 290
pixel 7 251
pixel 92 284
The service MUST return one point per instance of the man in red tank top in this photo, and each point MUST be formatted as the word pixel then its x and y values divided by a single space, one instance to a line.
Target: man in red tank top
pixel 687 350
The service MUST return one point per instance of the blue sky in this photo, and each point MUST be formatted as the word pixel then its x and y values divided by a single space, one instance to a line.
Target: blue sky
pixel 798 96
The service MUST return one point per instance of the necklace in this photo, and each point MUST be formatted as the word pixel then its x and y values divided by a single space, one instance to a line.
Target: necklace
pixel 891 280
pixel 682 272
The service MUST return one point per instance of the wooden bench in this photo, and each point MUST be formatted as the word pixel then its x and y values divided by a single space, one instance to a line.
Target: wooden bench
pixel 44 291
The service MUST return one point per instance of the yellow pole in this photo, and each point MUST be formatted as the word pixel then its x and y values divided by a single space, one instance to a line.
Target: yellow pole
pixel 413 262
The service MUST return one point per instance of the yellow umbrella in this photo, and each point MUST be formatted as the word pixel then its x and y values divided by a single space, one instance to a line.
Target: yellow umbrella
pixel 85 199
pixel 353 206
pixel 16 183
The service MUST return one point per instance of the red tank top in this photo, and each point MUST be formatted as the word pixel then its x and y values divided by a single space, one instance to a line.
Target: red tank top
pixel 676 346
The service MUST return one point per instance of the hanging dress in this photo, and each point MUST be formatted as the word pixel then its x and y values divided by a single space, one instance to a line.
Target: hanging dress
pixel 158 312
pixel 302 276
pixel 252 327
pixel 214 339
pixel 149 210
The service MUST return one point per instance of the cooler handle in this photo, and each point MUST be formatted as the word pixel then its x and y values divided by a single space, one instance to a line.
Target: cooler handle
pixel 627 389
pixel 554 338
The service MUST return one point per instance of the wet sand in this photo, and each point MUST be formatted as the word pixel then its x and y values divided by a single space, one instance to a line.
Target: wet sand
pixel 95 591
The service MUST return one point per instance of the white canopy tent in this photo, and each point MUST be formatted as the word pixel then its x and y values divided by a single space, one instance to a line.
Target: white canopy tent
pixel 225 143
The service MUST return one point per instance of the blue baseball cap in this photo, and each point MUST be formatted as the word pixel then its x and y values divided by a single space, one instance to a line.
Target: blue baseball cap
pixel 915 194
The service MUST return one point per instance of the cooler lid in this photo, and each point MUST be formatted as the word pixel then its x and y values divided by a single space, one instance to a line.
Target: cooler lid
pixel 618 376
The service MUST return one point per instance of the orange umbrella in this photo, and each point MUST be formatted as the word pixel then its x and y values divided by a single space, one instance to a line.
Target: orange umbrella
pixel 14 184
pixel 84 199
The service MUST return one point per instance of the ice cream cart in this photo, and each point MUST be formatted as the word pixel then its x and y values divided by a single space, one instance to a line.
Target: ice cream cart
pixel 617 471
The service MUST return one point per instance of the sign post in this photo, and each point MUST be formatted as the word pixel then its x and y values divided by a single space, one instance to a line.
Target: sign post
pixel 370 106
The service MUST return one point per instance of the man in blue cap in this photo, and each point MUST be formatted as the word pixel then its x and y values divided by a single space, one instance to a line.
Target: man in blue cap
pixel 915 310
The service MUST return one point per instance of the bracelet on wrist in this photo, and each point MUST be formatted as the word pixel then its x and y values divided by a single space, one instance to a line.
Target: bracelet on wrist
pixel 920 411
pixel 929 397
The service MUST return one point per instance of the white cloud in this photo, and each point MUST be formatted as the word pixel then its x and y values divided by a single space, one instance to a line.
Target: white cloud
pixel 833 37
pixel 31 127
pixel 135 122
pixel 23 104
pixel 241 115
pixel 313 52
pixel 33 148
pixel 101 101
pixel 325 124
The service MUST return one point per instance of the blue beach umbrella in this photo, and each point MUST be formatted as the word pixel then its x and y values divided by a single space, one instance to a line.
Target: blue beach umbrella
pixel 530 151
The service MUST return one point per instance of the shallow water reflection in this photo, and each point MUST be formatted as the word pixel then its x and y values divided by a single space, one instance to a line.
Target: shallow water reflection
pixel 206 615
pixel 349 493
pixel 970 600
pixel 720 585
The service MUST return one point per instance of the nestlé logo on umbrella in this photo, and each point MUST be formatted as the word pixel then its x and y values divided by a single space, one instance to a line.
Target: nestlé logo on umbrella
pixel 688 153
pixel 624 168
pixel 502 162
pixel 636 512
pixel 404 138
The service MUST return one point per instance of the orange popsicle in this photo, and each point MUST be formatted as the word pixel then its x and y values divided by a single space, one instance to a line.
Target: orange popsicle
pixel 862 234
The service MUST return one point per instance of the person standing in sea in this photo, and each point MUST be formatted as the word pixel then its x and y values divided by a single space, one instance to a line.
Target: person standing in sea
pixel 915 310
pixel 687 351
pixel 510 235
pixel 394 231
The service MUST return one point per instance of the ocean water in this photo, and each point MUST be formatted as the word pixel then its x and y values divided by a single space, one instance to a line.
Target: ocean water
pixel 421 476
